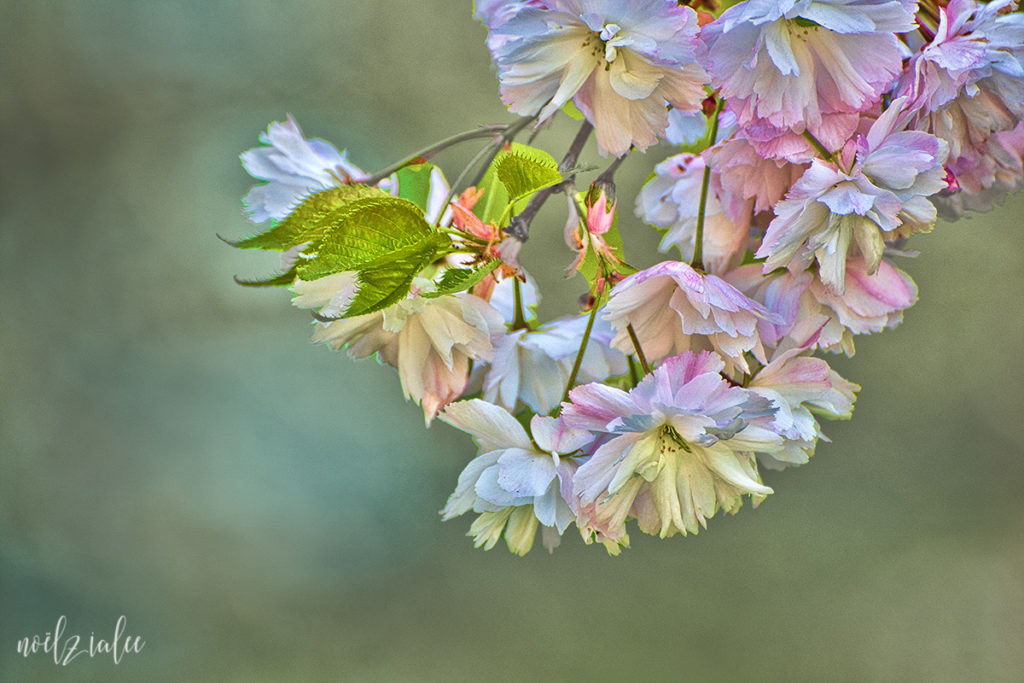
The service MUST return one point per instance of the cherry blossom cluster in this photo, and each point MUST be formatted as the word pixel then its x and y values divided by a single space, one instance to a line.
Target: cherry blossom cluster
pixel 807 140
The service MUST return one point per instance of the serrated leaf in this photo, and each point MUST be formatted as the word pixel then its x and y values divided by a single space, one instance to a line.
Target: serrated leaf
pixel 457 280
pixel 491 206
pixel 364 232
pixel 282 280
pixel 306 221
pixel 380 288
pixel 421 254
pixel 414 183
pixel 387 279
pixel 524 170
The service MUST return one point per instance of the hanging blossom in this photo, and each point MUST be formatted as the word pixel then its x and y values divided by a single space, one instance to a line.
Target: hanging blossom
pixel 811 315
pixel 680 447
pixel 842 125
pixel 685 127
pixel 744 173
pixel 811 65
pixel 673 308
pixel 620 63
pixel 671 200
pixel 877 190
pixel 975 47
pixel 294 167
pixel 516 484
pixel 992 175
pixel 967 85
pixel 431 341
pixel 494 12
pixel 800 388
pixel 532 367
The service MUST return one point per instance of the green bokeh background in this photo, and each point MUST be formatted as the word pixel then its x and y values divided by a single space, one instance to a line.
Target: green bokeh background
pixel 172 449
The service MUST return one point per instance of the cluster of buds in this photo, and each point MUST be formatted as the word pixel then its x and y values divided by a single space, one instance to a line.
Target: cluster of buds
pixel 812 138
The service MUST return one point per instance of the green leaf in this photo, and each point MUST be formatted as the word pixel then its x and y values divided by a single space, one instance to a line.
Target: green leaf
pixel 524 170
pixel 421 254
pixel 457 280
pixel 281 280
pixel 414 183
pixel 306 222
pixel 807 23
pixel 378 289
pixel 365 232
pixel 386 280
pixel 749 257
pixel 491 206
pixel 572 111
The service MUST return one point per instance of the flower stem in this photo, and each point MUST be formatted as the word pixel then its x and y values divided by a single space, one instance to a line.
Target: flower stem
pixel 519 321
pixel 496 145
pixel 510 133
pixel 816 144
pixel 427 152
pixel 639 351
pixel 606 181
pixel 519 227
pixel 698 245
pixel 490 151
pixel 634 376
pixel 582 350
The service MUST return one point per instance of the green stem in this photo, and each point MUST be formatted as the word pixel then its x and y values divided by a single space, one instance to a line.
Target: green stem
pixel 634 376
pixel 455 185
pixel 582 350
pixel 519 322
pixel 427 152
pixel 639 351
pixel 506 137
pixel 490 151
pixel 816 144
pixel 698 246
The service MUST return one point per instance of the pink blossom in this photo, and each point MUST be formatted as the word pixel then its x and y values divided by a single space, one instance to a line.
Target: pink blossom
pixel 876 191
pixel 671 200
pixel 745 173
pixel 986 179
pixel 517 483
pixel 673 308
pixel 532 367
pixel 792 64
pixel 809 314
pixel 967 85
pixel 680 448
pixel 293 167
pixel 430 341
pixel 620 63
pixel 800 388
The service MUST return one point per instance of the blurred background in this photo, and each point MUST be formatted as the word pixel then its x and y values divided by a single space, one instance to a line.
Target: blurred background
pixel 172 449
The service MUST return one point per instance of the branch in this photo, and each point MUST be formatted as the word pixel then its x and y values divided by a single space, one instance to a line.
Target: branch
pixel 427 152
pixel 519 227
